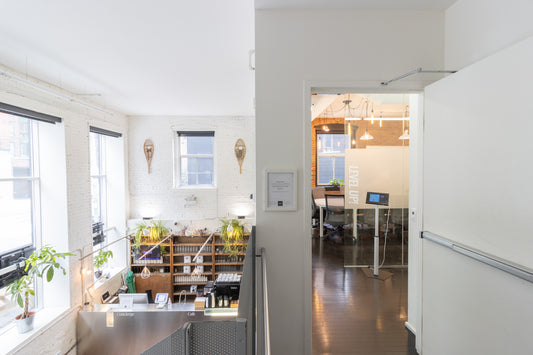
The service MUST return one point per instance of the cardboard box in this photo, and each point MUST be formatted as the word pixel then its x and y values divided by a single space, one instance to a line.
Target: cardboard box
pixel 199 303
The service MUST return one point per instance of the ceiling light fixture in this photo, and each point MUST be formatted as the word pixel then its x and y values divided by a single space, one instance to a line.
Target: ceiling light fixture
pixel 325 128
pixel 405 135
pixel 366 136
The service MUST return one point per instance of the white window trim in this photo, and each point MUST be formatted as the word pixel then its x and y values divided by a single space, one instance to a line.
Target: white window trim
pixel 177 163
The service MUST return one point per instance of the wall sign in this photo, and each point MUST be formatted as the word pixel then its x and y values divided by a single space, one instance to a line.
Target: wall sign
pixel 280 194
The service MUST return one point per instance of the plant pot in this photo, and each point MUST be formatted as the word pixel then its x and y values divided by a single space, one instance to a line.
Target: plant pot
pixel 25 325
pixel 332 188
pixel 98 274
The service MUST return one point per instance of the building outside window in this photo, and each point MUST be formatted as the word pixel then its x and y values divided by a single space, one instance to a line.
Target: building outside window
pixel 19 199
pixel 330 157
pixel 196 158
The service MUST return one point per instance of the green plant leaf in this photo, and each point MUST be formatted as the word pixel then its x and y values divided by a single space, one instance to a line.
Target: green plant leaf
pixel 19 301
pixel 50 274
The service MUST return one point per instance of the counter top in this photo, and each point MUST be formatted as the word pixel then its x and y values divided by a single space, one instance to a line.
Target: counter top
pixel 115 307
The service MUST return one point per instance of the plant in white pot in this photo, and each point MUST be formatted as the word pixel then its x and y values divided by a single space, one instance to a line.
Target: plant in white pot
pixel 100 260
pixel 41 263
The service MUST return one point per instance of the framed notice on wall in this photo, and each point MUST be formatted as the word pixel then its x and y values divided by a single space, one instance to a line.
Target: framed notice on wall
pixel 280 194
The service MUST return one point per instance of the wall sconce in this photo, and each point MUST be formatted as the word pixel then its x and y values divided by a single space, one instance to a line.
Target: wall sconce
pixel 191 200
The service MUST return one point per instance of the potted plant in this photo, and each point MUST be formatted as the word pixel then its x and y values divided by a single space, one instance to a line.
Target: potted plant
pixel 334 185
pixel 42 262
pixel 138 232
pixel 157 232
pixel 100 260
pixel 232 233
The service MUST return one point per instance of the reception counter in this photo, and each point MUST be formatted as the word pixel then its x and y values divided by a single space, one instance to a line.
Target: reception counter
pixel 113 329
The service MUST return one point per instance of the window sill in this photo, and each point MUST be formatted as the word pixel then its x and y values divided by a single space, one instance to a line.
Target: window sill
pixel 196 187
pixel 10 338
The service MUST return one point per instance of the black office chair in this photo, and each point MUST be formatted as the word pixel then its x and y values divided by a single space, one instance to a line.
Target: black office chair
pixel 315 212
pixel 335 216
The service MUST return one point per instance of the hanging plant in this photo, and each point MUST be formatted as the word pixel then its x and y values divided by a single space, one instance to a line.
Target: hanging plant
pixel 232 233
pixel 138 232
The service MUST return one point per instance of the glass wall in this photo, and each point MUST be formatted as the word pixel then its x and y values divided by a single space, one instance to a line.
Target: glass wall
pixel 377 160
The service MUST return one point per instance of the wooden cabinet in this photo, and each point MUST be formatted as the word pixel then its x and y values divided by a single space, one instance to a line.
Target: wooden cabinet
pixel 177 269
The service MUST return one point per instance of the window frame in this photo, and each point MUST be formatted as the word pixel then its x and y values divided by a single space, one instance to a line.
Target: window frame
pixel 101 177
pixel 332 155
pixel 178 158
pixel 12 260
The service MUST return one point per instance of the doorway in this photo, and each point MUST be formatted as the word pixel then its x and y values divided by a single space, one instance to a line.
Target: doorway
pixel 360 143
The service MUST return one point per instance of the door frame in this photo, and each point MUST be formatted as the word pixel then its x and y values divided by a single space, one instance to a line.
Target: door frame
pixel 414 322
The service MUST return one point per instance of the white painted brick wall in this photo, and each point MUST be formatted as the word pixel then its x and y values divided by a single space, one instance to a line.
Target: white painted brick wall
pixel 154 195
pixel 60 337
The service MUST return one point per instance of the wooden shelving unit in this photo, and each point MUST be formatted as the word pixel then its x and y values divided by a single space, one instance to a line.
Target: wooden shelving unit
pixel 178 274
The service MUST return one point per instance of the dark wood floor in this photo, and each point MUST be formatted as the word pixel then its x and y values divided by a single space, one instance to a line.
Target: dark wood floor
pixel 354 314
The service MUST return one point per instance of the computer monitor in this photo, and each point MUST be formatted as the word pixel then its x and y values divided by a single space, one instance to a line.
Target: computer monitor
pixel 128 299
pixel 377 198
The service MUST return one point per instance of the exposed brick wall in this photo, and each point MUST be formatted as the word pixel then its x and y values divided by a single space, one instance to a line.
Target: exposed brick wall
pixel 387 135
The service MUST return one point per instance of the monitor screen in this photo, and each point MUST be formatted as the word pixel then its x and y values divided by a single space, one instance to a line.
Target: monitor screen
pixel 377 198
pixel 133 298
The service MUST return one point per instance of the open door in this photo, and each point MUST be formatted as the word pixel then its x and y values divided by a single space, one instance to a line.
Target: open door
pixel 477 197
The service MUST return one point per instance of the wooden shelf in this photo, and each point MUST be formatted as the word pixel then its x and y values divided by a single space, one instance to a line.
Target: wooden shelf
pixel 232 263
pixel 209 263
pixel 156 265
pixel 192 264
pixel 222 244
pixel 191 254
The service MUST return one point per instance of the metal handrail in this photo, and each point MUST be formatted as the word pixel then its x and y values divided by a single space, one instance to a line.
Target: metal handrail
pixel 496 262
pixel 266 324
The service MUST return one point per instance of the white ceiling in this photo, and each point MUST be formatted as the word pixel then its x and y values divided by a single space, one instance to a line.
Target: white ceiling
pixel 166 57
pixel 356 4
pixel 138 57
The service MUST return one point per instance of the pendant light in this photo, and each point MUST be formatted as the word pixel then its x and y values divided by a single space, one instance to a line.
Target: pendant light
pixel 405 135
pixel 366 136
pixel 146 272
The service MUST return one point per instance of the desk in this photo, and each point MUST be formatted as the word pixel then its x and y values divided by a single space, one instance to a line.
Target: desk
pixel 132 331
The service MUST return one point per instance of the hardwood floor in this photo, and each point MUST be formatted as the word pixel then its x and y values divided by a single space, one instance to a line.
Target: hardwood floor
pixel 353 314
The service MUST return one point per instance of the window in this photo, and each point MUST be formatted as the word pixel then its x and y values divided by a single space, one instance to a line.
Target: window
pixel 330 154
pixel 19 195
pixel 98 142
pixel 196 158
pixel 98 178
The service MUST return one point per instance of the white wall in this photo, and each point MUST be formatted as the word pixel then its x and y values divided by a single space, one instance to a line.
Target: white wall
pixel 154 195
pixel 476 28
pixel 73 201
pixel 296 50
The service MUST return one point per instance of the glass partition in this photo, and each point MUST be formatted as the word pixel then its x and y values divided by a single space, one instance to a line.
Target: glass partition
pixel 376 160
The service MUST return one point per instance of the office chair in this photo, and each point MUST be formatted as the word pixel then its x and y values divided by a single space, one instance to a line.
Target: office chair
pixel 335 215
pixel 315 212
